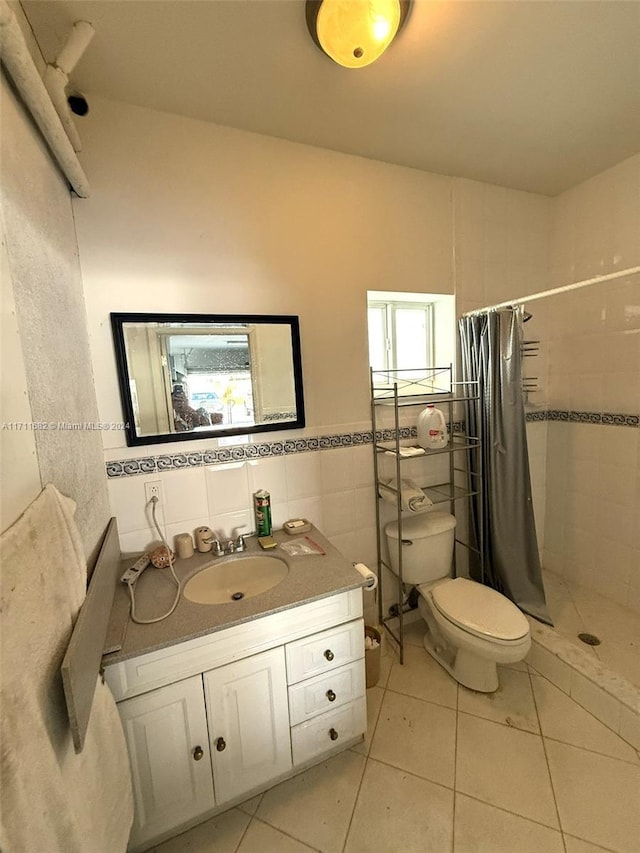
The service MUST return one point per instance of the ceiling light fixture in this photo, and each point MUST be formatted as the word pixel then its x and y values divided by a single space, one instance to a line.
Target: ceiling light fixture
pixel 354 33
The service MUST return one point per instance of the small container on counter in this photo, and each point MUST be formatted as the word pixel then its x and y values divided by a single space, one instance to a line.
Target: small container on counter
pixel 202 535
pixel 184 545
pixel 262 504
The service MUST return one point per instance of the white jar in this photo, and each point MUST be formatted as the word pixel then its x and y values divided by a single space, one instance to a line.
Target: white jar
pixel 432 429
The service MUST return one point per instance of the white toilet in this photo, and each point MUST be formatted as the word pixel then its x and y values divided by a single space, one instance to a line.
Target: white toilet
pixel 472 628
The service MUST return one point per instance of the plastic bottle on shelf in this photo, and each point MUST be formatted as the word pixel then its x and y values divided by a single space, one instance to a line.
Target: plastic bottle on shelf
pixel 432 429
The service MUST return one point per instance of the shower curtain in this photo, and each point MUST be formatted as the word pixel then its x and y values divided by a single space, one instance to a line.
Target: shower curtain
pixel 502 516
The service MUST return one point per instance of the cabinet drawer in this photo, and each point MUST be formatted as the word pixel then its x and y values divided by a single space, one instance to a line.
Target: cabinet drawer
pixel 326 692
pixel 328 731
pixel 324 651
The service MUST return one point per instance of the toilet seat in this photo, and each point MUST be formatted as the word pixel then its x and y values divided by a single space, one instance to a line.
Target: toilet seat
pixel 477 609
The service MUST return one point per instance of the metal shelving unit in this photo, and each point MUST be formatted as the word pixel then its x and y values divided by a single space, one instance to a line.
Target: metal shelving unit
pixel 397 390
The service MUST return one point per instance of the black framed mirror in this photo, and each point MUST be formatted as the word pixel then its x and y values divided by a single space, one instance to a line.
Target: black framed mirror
pixel 195 376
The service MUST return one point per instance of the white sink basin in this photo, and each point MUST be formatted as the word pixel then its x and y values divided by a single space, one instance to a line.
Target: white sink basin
pixel 235 578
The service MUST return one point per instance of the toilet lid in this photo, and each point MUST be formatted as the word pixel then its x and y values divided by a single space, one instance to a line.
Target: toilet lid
pixel 479 610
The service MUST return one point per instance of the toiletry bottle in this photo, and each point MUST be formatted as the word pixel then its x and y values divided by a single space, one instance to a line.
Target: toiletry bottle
pixel 432 429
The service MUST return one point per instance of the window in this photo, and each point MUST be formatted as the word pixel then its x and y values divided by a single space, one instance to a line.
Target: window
pixel 411 332
pixel 401 335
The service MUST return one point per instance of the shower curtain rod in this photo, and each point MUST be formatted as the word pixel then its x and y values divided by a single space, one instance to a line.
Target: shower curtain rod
pixel 564 289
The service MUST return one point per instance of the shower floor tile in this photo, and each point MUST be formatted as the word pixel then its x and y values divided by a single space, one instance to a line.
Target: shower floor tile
pixel 575 609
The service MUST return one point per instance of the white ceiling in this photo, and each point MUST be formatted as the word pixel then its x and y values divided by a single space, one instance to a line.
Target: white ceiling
pixel 531 95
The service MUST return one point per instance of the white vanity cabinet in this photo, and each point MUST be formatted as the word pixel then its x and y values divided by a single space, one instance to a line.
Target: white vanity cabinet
pixel 211 719
pixel 168 743
pixel 248 723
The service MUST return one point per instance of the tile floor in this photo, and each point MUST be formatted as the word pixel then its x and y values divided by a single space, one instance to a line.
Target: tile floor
pixel 576 608
pixel 443 769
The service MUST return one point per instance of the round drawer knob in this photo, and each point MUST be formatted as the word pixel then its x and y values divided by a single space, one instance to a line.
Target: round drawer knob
pixel 329 654
pixel 331 696
pixel 220 744
pixel 198 752
pixel 333 734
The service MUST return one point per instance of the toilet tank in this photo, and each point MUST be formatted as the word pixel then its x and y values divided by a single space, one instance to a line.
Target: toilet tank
pixel 427 546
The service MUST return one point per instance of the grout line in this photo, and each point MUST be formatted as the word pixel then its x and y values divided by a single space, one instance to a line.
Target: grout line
pixel 501 723
pixel 422 699
pixel 287 834
pixel 536 674
pixel 586 841
pixel 246 829
pixel 411 773
pixel 595 751
pixel 355 802
pixel 455 772
pixel 546 758
pixel 364 769
pixel 507 811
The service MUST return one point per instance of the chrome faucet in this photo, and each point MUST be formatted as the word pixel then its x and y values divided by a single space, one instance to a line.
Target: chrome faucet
pixel 231 546
pixel 234 546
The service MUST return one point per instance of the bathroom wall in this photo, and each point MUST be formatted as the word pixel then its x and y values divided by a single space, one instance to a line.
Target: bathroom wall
pixel 501 253
pixel 47 375
pixel 592 524
pixel 191 216
pixel 593 455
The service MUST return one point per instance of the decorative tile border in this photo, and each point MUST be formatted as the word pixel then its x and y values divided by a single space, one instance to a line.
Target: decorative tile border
pixel 606 418
pixel 285 447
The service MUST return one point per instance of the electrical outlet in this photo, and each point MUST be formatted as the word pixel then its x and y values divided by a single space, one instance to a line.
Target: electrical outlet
pixel 153 489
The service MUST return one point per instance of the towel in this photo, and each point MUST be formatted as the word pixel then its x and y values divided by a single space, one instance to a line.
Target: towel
pixel 53 800
pixel 407 451
pixel 412 497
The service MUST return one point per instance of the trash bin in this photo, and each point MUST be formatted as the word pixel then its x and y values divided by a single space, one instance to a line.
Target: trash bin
pixel 372 656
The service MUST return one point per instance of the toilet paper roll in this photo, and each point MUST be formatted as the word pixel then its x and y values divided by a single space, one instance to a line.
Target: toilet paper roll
pixel 367 574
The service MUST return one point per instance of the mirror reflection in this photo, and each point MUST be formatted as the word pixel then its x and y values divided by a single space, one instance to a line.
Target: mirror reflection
pixel 190 376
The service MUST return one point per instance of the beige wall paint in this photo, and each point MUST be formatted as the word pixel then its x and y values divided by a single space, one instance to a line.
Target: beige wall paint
pixel 189 216
pixel 50 320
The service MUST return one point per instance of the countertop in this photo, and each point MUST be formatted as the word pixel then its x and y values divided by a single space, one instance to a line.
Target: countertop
pixel 311 577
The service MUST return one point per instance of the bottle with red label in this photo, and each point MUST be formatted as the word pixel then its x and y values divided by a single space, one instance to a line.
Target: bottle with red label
pixel 432 429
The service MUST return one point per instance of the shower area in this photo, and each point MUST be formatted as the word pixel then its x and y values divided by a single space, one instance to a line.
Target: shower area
pixel 581 382
pixel 583 436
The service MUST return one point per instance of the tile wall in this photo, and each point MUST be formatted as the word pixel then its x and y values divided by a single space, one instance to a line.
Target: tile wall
pixel 590 355
pixel 333 487
pixel 592 519
pixel 501 252
pixel 501 243
pixel 588 362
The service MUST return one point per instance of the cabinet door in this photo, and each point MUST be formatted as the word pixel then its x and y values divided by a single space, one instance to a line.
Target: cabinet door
pixel 166 733
pixel 248 723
